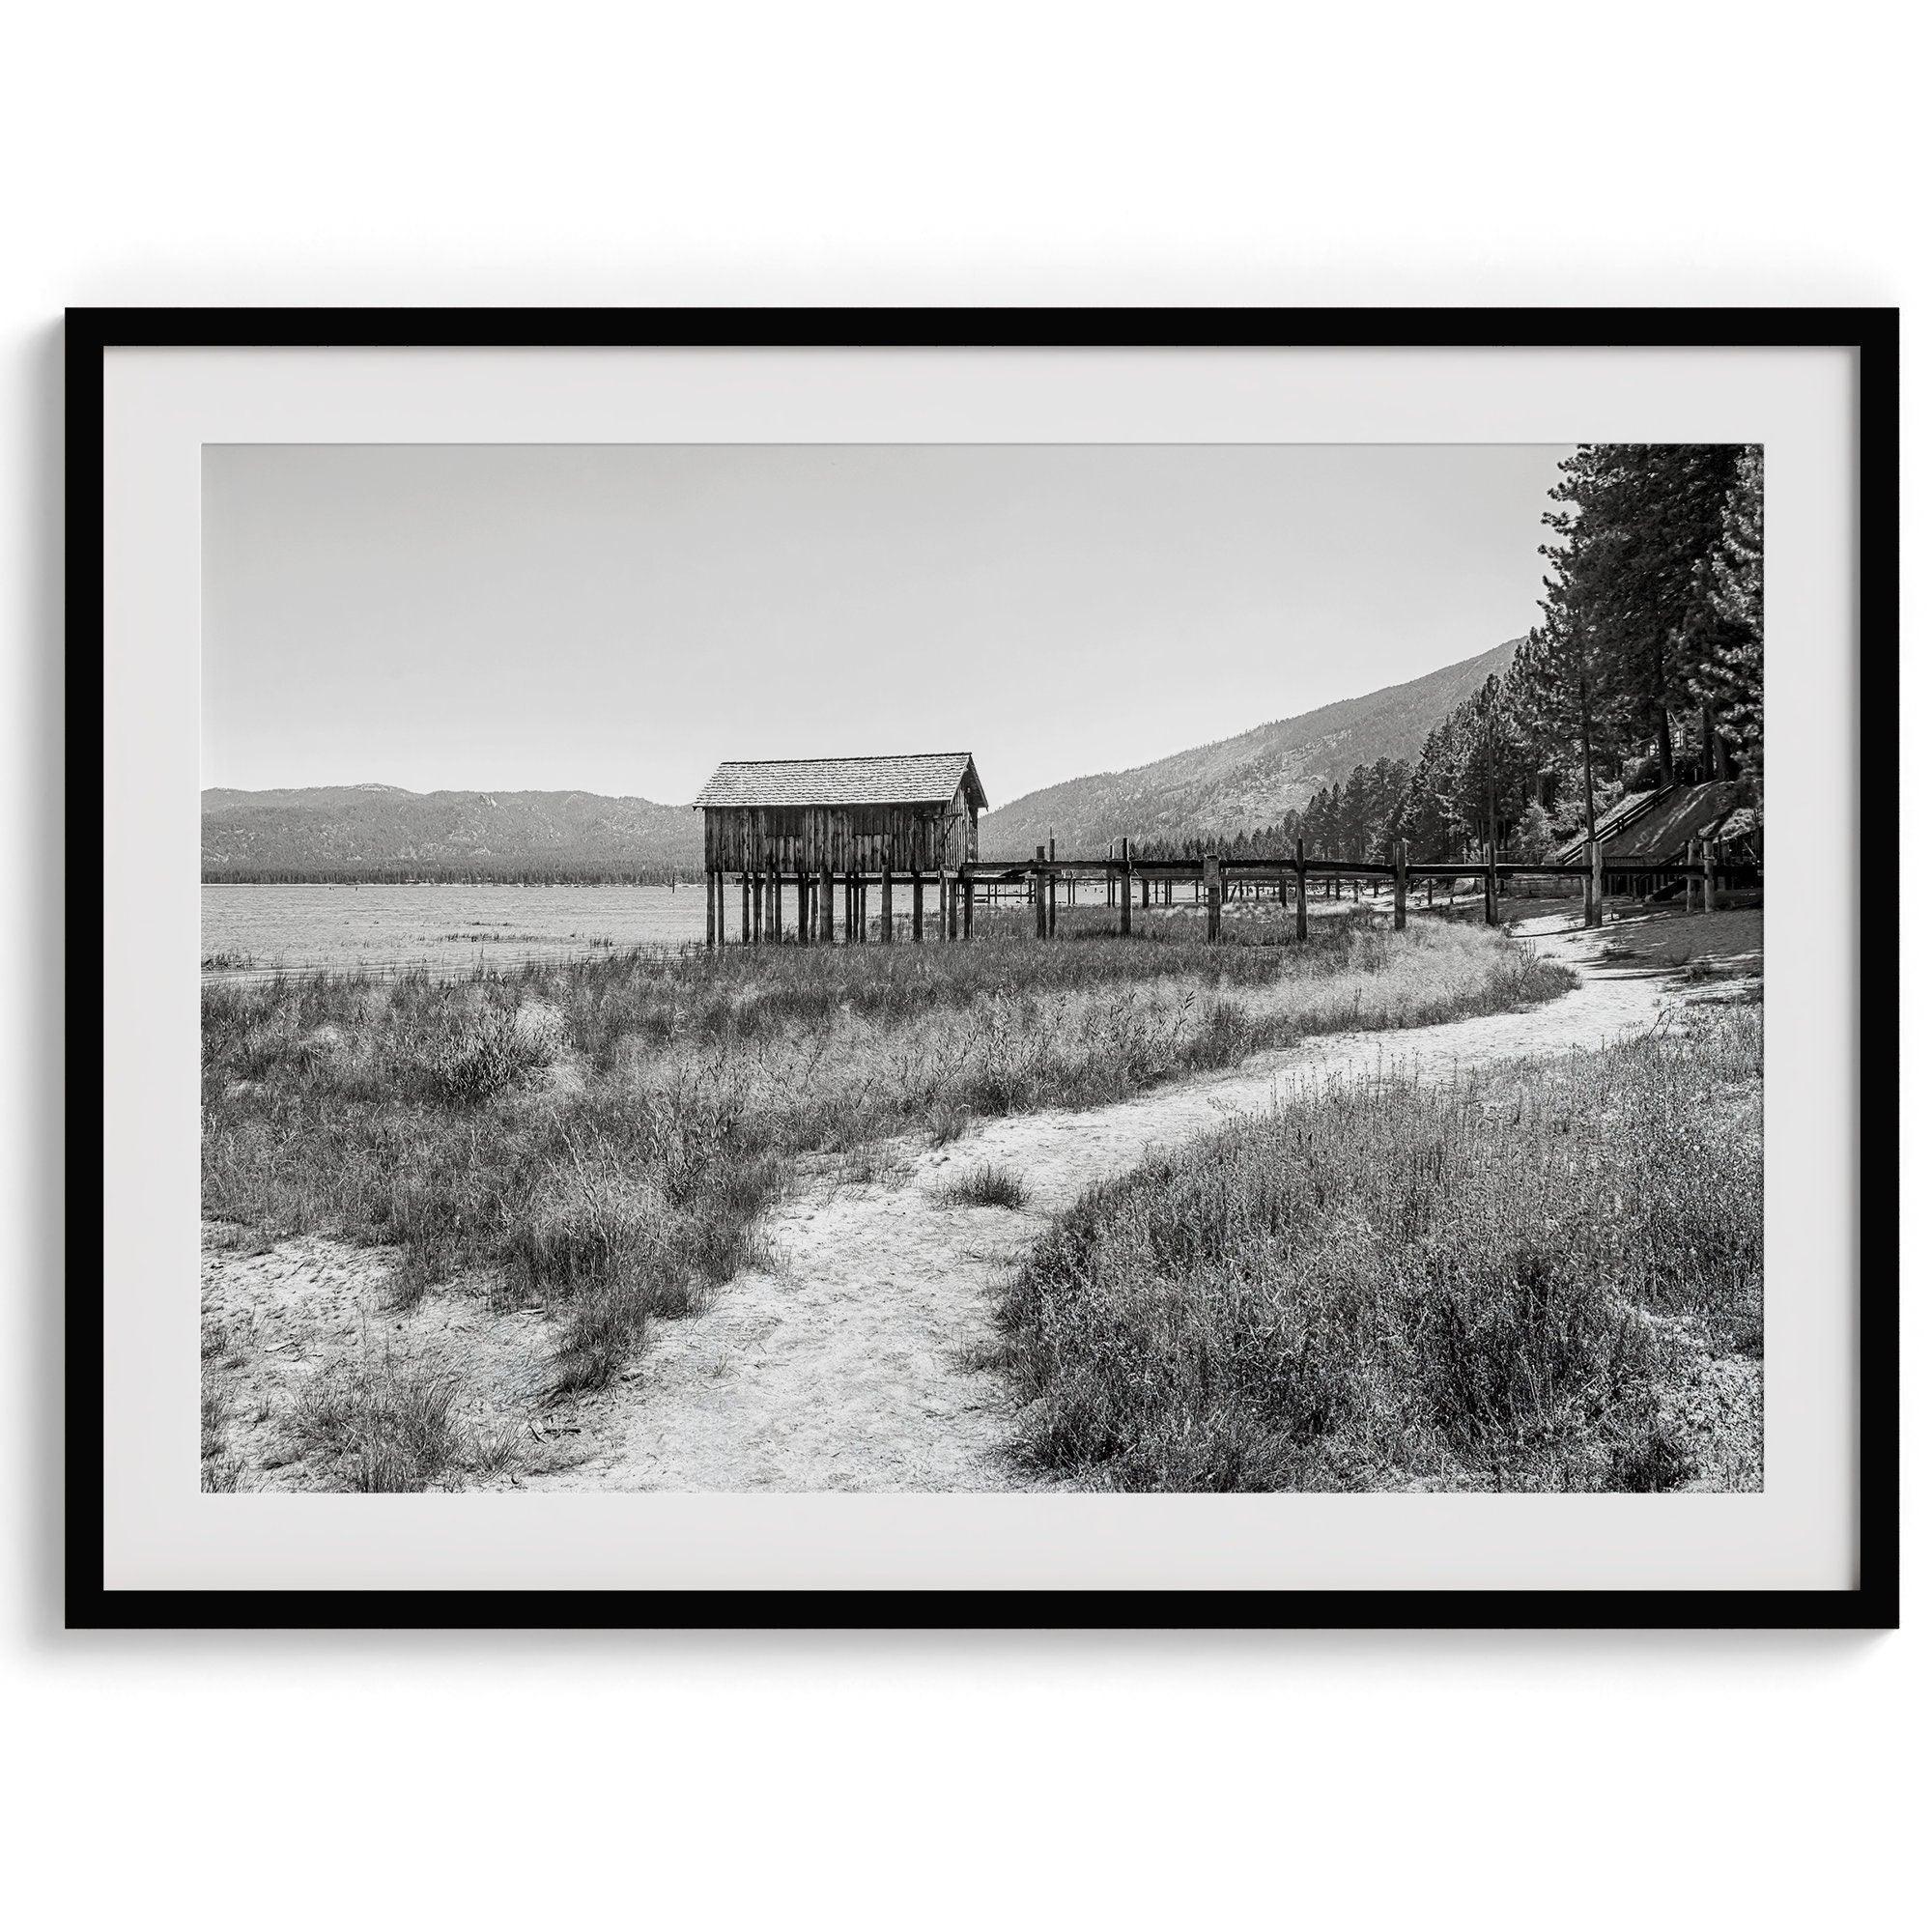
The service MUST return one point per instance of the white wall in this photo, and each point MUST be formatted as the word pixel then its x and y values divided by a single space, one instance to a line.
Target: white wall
pixel 198 153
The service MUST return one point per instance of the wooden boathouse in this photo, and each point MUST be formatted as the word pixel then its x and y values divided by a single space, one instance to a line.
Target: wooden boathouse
pixel 832 830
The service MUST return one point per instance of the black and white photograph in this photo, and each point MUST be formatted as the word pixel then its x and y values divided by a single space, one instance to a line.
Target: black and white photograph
pixel 1007 968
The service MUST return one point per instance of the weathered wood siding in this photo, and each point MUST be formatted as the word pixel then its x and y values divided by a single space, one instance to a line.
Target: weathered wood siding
pixel 847 837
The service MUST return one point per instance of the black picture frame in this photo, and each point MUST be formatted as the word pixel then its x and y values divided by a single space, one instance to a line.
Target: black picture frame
pixel 1872 333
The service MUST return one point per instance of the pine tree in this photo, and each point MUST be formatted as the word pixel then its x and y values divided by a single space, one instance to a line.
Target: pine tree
pixel 1640 521
pixel 1728 675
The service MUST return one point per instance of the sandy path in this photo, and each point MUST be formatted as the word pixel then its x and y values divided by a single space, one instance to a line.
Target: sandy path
pixel 843 1367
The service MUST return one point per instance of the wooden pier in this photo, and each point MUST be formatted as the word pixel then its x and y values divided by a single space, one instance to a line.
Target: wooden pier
pixel 856 907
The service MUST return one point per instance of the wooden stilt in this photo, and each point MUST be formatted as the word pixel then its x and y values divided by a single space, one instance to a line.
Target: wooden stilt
pixel 1211 888
pixel 1401 883
pixel 1593 904
pixel 918 907
pixel 1301 890
pixel 1490 885
pixel 885 905
pixel 1710 878
pixel 1127 894
pixel 710 907
pixel 1040 916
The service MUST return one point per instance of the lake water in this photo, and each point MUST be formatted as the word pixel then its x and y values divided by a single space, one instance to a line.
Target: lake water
pixel 261 929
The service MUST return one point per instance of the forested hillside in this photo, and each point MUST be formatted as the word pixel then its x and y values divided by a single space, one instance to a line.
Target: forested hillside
pixel 1240 785
pixel 379 831
pixel 1647 671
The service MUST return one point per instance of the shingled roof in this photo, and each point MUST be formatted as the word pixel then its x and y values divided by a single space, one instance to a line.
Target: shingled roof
pixel 1658 824
pixel 907 778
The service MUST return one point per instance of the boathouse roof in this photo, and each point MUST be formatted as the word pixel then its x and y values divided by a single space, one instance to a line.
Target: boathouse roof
pixel 902 778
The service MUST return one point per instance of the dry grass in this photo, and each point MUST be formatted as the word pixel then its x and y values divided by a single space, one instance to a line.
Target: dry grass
pixel 1516 1284
pixel 607 1135
pixel 385 1423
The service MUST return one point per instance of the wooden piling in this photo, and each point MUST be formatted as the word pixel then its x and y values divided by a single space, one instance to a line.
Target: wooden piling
pixel 918 907
pixel 965 905
pixel 885 905
pixel 1301 890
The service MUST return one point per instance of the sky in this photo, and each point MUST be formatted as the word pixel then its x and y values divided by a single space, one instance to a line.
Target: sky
pixel 620 617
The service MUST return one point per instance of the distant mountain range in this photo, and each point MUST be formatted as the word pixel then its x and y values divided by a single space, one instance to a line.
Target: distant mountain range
pixel 344 831
pixel 1234 786
pixel 1240 784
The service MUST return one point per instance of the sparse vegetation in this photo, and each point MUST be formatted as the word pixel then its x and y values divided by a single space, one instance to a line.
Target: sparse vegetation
pixel 985 1186
pixel 604 1135
pixel 1543 1279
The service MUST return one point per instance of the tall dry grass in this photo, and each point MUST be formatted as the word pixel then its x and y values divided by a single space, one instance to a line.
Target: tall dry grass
pixel 1507 1283
pixel 604 1136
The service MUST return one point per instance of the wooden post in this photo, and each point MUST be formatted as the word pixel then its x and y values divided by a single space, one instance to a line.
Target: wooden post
pixel 1401 855
pixel 918 907
pixel 744 908
pixel 710 907
pixel 758 910
pixel 861 888
pixel 1490 885
pixel 885 905
pixel 1710 879
pixel 806 922
pixel 1301 890
pixel 1210 884
pixel 825 930
pixel 1126 892
pixel 1039 908
pixel 965 905
pixel 1593 897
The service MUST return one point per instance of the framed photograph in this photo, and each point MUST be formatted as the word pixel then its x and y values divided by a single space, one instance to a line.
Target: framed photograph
pixel 984 968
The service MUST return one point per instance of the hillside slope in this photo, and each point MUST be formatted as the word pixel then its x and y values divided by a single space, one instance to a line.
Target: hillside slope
pixel 351 828
pixel 1242 782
